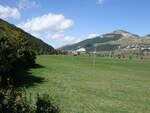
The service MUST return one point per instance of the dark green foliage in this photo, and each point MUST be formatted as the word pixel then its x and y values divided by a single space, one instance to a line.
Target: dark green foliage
pixel 15 53
pixel 16 101
pixel 45 105
pixel 12 31
pixel 7 58
pixel 12 101
pixel 119 56
pixel 61 52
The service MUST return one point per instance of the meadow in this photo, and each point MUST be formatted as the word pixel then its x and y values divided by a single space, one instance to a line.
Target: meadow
pixel 78 86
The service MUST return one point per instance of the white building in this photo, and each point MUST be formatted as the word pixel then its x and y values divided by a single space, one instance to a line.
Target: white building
pixel 79 51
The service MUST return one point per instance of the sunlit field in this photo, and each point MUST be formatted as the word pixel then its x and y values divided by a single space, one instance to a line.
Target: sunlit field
pixel 80 86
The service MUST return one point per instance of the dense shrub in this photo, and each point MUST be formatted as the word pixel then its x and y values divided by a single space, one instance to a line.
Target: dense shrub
pixel 45 105
pixel 14 54
pixel 12 101
pixel 15 101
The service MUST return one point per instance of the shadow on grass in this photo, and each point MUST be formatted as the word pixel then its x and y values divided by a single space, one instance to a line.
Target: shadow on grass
pixel 26 79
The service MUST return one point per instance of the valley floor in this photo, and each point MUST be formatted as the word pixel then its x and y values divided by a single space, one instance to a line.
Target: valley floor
pixel 109 86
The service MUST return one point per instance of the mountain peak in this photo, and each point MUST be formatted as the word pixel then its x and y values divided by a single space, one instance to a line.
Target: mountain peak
pixel 125 33
pixel 120 31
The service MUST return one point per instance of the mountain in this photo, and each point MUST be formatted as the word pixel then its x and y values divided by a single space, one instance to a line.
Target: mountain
pixel 11 31
pixel 117 40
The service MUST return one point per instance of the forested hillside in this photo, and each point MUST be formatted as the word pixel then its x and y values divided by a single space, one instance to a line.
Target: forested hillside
pixel 12 31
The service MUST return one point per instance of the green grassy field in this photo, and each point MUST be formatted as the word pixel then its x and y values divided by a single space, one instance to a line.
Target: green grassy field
pixel 111 86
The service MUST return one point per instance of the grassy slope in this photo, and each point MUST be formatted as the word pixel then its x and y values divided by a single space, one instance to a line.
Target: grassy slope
pixel 112 86
pixel 7 29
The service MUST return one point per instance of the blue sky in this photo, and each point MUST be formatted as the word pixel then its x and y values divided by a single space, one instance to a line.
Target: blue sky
pixel 61 22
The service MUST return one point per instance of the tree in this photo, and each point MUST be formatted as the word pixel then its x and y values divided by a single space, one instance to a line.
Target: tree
pixel 14 54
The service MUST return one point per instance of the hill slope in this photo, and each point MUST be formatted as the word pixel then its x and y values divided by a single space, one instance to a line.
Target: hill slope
pixel 7 29
pixel 112 41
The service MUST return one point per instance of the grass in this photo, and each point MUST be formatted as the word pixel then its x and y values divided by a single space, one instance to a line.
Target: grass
pixel 111 86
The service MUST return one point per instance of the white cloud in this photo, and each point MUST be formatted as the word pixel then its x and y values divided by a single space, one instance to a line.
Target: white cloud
pixel 27 4
pixel 50 28
pixel 61 39
pixel 47 23
pixel 92 36
pixel 100 1
pixel 8 12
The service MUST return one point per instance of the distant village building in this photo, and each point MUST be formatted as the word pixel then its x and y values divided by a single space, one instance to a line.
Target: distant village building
pixel 79 51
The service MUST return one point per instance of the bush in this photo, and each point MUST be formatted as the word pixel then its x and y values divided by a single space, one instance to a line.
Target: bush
pixel 119 56
pixel 45 105
pixel 15 101
pixel 12 101
pixel 130 57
